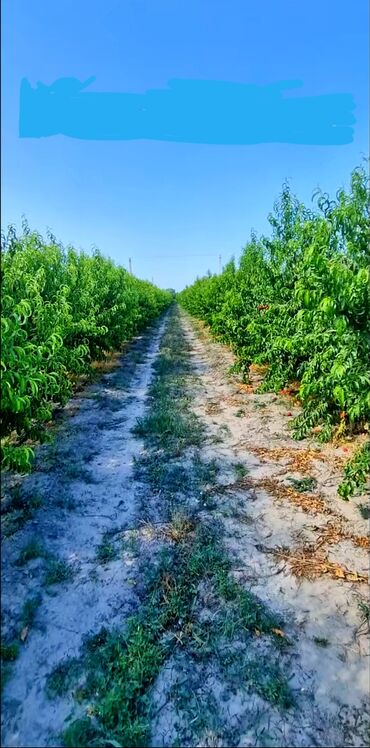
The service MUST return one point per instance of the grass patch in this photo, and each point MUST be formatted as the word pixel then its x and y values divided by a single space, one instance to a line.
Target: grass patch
pixel 364 609
pixel 14 521
pixel 271 685
pixel 20 501
pixel 57 571
pixel 131 543
pixel 364 510
pixel 6 671
pixel 29 610
pixel 120 667
pixel 9 652
pixel 80 733
pixel 241 470
pixel 262 675
pixel 106 551
pixel 179 527
pixel 76 471
pixel 61 677
pixel 33 549
pixel 34 502
pixel 170 425
pixel 173 478
pixel 321 641
pixel 165 428
pixel 19 510
pixel 303 484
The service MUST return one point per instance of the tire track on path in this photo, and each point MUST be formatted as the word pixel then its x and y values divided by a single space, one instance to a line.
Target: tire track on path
pixel 326 616
pixel 89 497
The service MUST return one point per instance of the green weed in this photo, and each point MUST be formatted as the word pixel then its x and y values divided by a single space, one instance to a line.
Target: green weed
pixel 106 551
pixel 364 609
pixel 29 610
pixel 57 572
pixel 241 470
pixel 356 472
pixel 304 484
pixel 9 652
pixel 61 677
pixel 82 733
pixel 321 641
pixel 121 667
pixel 33 549
pixel 19 511
pixel 364 511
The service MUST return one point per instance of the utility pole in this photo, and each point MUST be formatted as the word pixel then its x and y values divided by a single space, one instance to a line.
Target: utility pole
pixel 219 263
pixel 130 265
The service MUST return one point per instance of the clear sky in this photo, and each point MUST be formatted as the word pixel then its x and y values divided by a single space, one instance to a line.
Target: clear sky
pixel 173 207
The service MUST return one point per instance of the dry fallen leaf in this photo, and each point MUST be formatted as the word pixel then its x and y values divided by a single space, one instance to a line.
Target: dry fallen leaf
pixel 352 576
pixel 24 634
pixel 278 632
pixel 339 573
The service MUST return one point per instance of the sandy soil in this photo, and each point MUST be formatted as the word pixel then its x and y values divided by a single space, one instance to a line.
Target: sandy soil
pixel 304 553
pixel 90 476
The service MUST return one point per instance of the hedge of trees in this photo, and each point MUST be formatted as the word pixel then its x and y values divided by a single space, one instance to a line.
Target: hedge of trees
pixel 299 301
pixel 61 309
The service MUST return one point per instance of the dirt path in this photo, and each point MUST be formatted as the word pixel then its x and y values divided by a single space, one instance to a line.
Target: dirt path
pixel 190 577
pixel 300 547
pixel 88 501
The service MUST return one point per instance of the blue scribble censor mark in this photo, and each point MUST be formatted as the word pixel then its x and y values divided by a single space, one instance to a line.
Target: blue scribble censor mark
pixel 188 111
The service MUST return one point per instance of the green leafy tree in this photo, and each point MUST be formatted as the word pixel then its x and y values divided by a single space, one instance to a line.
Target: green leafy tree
pixel 299 302
pixel 61 309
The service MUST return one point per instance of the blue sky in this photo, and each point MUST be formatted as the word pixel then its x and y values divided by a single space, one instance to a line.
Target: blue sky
pixel 173 207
